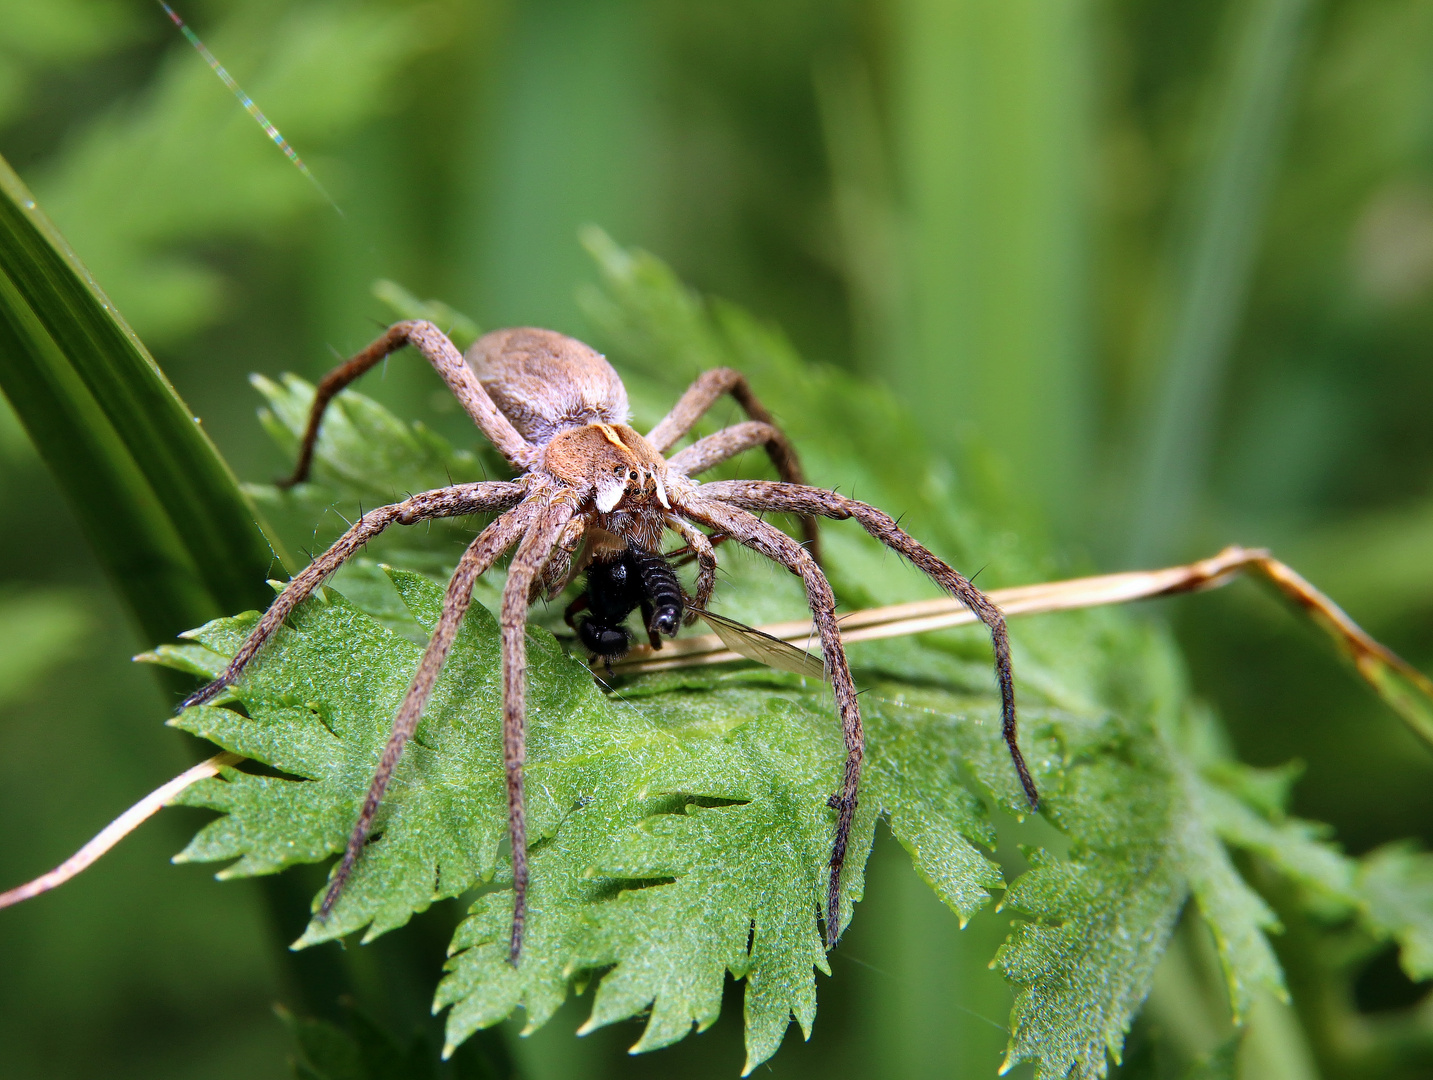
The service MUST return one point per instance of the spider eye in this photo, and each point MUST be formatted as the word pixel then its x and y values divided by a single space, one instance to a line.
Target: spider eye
pixel 632 474
pixel 617 470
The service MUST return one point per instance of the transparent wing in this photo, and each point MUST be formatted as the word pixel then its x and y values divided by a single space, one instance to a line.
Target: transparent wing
pixel 763 648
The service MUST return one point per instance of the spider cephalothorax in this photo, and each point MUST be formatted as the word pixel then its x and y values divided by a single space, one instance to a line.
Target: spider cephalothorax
pixel 593 488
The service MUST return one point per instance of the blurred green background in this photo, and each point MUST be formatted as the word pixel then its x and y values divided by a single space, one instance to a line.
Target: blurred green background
pixel 1165 265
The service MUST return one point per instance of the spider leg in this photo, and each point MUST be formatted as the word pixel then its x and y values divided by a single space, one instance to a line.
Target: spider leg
pixel 702 548
pixel 453 501
pixel 700 397
pixel 711 451
pixel 527 563
pixel 445 358
pixel 558 571
pixel 793 498
pixel 776 545
pixel 486 549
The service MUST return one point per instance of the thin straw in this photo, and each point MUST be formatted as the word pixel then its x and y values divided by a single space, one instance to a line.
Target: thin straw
pixel 118 829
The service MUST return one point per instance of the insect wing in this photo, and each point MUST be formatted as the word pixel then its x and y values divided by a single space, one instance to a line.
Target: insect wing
pixel 763 648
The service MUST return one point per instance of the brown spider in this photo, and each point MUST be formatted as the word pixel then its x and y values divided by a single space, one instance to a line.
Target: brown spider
pixel 558 412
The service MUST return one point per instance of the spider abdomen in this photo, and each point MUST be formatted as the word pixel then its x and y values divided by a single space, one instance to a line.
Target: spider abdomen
pixel 545 382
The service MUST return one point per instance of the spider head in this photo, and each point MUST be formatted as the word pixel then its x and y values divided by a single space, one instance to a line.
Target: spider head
pixel 611 464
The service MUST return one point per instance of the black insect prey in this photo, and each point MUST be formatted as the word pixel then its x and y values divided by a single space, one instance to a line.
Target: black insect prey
pixel 617 586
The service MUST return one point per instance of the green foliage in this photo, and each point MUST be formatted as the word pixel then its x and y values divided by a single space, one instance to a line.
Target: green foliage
pixel 367 457
pixel 161 507
pixel 363 451
pixel 679 831
pixel 37 629
pixel 1394 884
pixel 1219 1063
pixel 461 330
pixel 62 34
pixel 361 1049
pixel 361 1052
pixel 590 766
pixel 1014 175
pixel 1389 892
pixel 319 71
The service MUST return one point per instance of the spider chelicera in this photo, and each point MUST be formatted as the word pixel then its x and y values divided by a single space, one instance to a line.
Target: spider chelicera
pixel 557 411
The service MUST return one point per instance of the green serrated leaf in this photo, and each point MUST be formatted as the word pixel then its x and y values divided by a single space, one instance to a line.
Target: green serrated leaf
pixel 364 452
pixel 1100 920
pixel 912 759
pixel 747 877
pixel 1237 916
pixel 1396 883
pixel 318 706
pixel 1295 848
pixel 1266 790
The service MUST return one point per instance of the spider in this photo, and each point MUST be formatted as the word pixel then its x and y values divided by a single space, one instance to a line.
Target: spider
pixel 558 413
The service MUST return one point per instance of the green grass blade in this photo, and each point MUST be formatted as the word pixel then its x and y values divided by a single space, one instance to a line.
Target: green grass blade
pixel 1227 208
pixel 989 123
pixel 164 513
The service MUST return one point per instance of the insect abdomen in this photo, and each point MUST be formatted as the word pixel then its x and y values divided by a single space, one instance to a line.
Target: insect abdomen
pixel 663 590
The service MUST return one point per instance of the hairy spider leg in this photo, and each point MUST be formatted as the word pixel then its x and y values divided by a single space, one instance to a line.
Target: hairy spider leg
pixel 457 501
pixel 448 362
pixel 789 498
pixel 701 396
pixel 486 549
pixel 771 542
pixel 703 550
pixel 711 450
pixel 527 563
